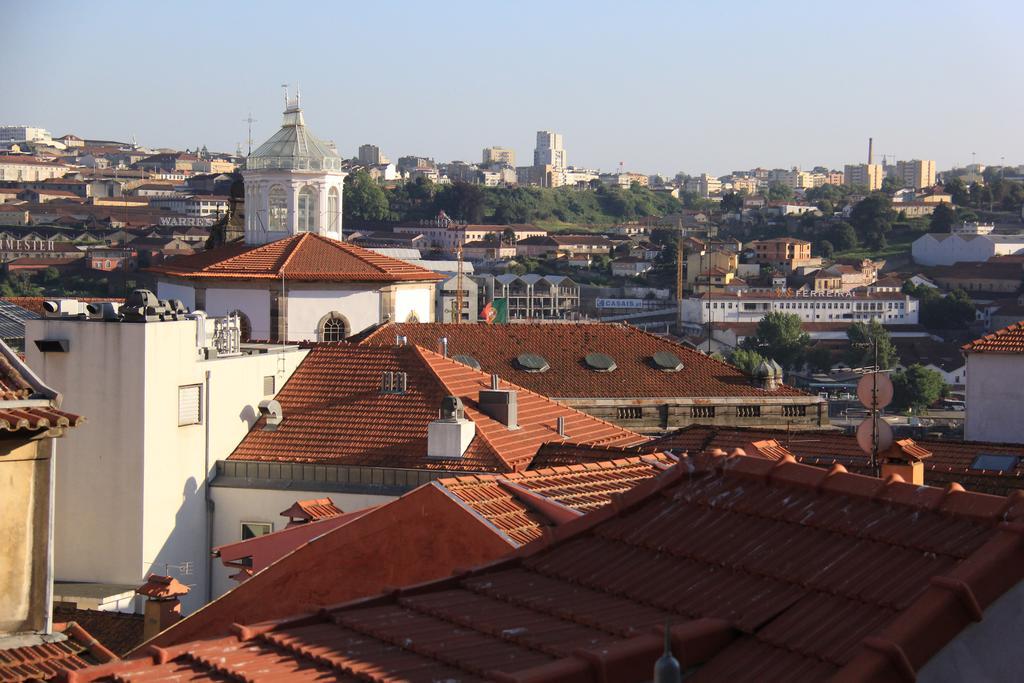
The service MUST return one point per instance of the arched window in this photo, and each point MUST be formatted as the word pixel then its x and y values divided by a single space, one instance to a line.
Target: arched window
pixel 333 219
pixel 277 205
pixel 307 210
pixel 334 327
pixel 244 324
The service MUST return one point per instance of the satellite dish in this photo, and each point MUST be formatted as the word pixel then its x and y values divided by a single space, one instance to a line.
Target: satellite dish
pixel 875 381
pixel 885 435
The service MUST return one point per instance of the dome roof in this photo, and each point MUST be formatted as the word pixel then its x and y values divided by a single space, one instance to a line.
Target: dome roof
pixel 294 147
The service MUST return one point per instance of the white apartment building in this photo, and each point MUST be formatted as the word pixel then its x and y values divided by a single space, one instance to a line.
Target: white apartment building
pixel 499 155
pixel 13 134
pixel 973 228
pixel 889 308
pixel 864 175
pixel 165 400
pixel 549 151
pixel 916 173
pixel 24 168
pixel 705 185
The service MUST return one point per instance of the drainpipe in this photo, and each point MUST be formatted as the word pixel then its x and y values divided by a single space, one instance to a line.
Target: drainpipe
pixel 48 621
pixel 207 547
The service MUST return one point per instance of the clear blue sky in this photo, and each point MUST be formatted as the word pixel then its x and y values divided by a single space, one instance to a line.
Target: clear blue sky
pixel 660 86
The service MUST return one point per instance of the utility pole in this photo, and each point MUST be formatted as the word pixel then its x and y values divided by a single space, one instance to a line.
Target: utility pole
pixel 874 411
pixel 458 286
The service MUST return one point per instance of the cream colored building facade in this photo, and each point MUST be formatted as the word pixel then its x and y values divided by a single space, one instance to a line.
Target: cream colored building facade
pixel 916 173
pixel 864 175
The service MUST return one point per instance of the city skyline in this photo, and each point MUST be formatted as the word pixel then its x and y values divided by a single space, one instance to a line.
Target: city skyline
pixel 634 85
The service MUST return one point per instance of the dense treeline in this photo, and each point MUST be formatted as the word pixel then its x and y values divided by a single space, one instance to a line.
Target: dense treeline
pixel 419 199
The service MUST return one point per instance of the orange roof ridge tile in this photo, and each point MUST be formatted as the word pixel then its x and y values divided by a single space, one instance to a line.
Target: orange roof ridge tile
pixel 1009 339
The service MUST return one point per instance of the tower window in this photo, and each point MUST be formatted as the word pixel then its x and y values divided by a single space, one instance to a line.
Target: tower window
pixel 307 210
pixel 277 205
pixel 333 327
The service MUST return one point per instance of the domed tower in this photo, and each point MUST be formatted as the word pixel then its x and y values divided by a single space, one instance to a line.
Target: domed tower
pixel 293 184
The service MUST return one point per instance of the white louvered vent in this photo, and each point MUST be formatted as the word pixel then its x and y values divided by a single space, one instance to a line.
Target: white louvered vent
pixel 189 404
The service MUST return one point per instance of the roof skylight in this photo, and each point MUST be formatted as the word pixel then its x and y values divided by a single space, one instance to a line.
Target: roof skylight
pixel 995 462
pixel 532 362
pixel 600 362
pixel 669 362
pixel 466 359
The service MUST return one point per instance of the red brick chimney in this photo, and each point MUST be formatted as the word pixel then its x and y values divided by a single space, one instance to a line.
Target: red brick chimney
pixel 163 609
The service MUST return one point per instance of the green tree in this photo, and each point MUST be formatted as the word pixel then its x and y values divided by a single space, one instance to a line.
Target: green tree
pixel 364 198
pixel 779 191
pixel 780 336
pixel 746 360
pixel 862 338
pixel 732 202
pixel 958 190
pixel 826 248
pixel 872 218
pixel 915 388
pixel 943 218
pixel 843 236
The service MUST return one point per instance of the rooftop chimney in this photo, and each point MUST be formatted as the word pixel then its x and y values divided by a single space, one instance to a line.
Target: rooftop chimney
pixel 400 340
pixel 442 344
pixel 163 609
pixel 561 426
pixel 450 435
pixel 500 404
pixel 271 410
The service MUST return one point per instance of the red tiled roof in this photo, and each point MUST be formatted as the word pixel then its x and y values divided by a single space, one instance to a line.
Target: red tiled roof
pixel 120 632
pixel 564 346
pixel 305 257
pixel 950 461
pixel 1010 339
pixel 767 571
pixel 15 386
pixel 334 412
pixel 555 454
pixel 581 488
pixel 313 510
pixel 46 661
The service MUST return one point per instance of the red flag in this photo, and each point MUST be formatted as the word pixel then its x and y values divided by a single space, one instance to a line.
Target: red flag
pixel 489 314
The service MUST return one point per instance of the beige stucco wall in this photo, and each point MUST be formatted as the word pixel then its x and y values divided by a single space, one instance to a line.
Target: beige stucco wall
pixel 24 521
pixel 995 396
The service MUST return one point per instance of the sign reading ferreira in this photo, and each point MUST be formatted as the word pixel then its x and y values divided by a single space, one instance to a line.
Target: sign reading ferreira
pixel 187 221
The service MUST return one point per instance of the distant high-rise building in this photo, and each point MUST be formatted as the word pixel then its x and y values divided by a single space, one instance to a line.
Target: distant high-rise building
pixel 916 173
pixel 865 175
pixel 369 155
pixel 12 134
pixel 499 155
pixel 549 151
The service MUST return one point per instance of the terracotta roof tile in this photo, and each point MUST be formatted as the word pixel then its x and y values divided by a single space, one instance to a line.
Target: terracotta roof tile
pixel 15 386
pixel 121 632
pixel 564 346
pixel 306 257
pixel 1010 339
pixel 47 660
pixel 158 586
pixel 781 572
pixel 334 412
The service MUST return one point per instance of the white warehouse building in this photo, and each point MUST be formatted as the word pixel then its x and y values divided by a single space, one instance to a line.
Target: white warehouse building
pixel 946 249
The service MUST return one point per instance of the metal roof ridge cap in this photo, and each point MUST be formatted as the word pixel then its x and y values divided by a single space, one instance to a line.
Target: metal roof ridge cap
pixel 555 512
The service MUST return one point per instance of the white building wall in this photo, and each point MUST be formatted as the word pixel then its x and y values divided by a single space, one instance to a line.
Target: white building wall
pixel 99 484
pixel 173 290
pixel 808 308
pixel 995 394
pixel 416 300
pixel 306 307
pixel 929 251
pixel 255 303
pixel 130 487
pixel 236 505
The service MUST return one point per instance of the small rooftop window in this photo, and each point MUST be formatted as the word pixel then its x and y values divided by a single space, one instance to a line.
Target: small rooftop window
pixel 600 362
pixel 467 360
pixel 669 362
pixel 995 462
pixel 532 362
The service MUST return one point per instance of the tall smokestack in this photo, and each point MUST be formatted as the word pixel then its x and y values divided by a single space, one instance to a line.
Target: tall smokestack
pixel 871 154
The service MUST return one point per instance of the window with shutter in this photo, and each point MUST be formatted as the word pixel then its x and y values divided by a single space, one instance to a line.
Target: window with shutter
pixel 189 404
